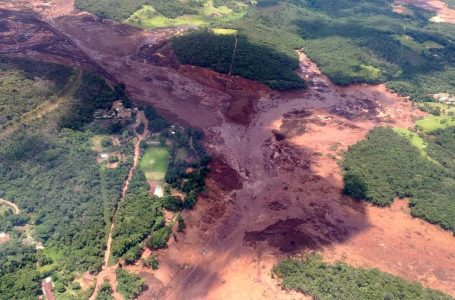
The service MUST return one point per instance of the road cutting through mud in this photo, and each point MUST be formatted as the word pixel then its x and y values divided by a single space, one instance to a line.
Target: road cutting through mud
pixel 276 185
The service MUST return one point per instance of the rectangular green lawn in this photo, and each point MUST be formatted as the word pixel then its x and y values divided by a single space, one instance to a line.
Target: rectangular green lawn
pixel 154 163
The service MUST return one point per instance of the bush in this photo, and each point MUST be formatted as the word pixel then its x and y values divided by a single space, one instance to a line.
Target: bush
pixel 182 224
pixel 159 238
pixel 105 292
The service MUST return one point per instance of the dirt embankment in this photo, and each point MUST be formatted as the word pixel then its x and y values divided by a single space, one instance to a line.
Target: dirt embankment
pixel 282 193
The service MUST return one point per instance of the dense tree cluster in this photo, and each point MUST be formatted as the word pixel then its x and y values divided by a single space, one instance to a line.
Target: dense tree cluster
pixel 28 84
pixel 129 285
pixel 250 60
pixel 105 292
pixel 152 262
pixel 93 93
pixel 320 280
pixel 386 166
pixel 138 216
pixel 18 276
pixel 65 197
pixel 192 183
pixel 156 122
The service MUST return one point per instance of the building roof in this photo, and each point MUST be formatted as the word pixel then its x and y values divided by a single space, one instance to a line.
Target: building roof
pixel 47 291
pixel 159 192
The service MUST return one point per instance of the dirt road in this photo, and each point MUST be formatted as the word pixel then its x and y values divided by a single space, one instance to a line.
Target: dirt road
pixel 10 204
pixel 108 272
pixel 276 185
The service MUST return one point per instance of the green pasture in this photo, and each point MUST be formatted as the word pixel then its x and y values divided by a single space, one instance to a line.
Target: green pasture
pixel 154 163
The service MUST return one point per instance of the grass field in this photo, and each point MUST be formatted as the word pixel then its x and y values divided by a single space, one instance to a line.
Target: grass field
pixel 154 163
pixel 432 122
pixel 224 31
pixel 148 17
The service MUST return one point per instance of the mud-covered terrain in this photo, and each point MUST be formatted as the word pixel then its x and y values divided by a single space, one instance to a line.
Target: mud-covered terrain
pixel 276 187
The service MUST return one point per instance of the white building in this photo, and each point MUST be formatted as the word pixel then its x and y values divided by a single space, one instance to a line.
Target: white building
pixel 159 192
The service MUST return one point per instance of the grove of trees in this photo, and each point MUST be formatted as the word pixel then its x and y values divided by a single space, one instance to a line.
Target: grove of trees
pixel 386 166
pixel 324 281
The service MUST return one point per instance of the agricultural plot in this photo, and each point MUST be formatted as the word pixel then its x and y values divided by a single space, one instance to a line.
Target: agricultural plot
pixel 154 163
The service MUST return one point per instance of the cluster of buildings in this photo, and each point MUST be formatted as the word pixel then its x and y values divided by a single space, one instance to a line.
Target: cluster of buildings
pixel 118 111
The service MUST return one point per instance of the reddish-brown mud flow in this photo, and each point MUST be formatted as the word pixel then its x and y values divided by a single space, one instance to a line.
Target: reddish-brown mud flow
pixel 276 186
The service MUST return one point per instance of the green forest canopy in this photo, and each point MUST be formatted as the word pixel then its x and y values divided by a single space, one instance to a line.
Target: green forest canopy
pixel 48 168
pixel 386 166
pixel 323 281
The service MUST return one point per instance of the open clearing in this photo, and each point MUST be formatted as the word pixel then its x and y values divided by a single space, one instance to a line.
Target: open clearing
pixel 267 197
pixel 154 163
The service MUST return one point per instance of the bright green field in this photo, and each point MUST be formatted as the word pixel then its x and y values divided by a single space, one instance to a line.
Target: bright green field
pixel 149 18
pixel 154 163
pixel 431 123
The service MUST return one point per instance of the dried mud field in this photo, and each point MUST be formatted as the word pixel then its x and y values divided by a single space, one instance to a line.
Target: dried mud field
pixel 276 186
